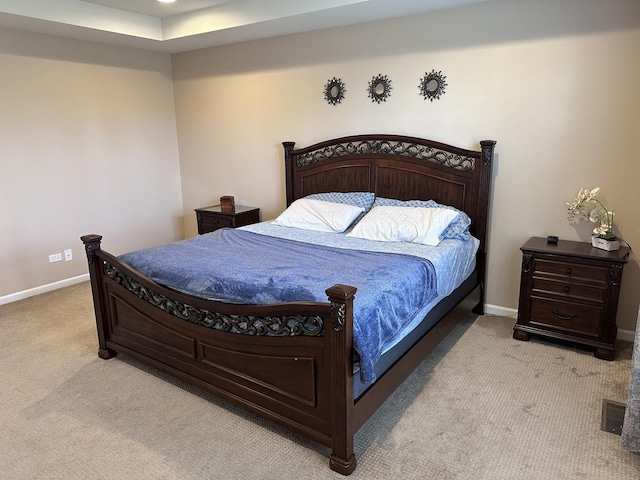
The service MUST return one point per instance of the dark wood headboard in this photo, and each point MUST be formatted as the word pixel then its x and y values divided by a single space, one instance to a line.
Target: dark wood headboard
pixel 395 166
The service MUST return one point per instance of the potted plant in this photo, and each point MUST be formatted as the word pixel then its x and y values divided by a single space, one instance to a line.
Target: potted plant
pixel 587 205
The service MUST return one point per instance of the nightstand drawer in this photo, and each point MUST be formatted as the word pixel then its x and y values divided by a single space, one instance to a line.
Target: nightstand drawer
pixel 567 317
pixel 213 223
pixel 570 290
pixel 571 270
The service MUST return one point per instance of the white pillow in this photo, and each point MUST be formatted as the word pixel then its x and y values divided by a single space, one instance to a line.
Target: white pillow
pixel 404 224
pixel 319 215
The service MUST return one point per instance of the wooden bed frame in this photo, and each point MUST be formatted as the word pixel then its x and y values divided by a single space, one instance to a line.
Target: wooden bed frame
pixel 301 376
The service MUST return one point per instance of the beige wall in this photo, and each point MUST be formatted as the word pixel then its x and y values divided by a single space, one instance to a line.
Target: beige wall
pixel 69 109
pixel 554 82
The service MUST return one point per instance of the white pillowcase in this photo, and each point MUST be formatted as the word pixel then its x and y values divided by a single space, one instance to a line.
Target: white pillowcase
pixel 404 224
pixel 318 215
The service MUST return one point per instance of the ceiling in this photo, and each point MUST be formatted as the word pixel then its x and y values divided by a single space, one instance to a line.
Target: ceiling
pixel 191 24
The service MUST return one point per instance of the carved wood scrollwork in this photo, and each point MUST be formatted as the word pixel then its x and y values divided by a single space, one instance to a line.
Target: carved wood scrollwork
pixel 366 147
pixel 278 325
pixel 338 311
pixel 615 275
pixel 486 157
pixel 527 261
pixel 89 248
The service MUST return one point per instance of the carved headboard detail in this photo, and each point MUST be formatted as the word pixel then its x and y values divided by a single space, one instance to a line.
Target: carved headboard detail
pixel 396 166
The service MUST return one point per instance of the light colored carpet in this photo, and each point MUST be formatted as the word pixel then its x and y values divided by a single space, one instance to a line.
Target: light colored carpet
pixel 483 406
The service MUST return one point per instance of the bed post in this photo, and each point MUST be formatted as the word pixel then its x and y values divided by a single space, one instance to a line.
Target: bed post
pixel 92 245
pixel 340 339
pixel 288 166
pixel 486 165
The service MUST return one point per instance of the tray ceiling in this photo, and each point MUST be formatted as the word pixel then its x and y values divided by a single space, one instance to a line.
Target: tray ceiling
pixel 192 24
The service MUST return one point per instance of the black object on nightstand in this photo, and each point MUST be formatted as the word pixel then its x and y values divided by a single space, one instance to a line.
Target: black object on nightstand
pixel 212 218
pixel 569 291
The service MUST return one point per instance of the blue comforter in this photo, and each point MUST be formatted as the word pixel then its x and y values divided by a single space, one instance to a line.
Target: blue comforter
pixel 245 267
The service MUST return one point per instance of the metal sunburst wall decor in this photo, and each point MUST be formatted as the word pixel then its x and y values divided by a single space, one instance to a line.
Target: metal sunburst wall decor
pixel 334 91
pixel 432 85
pixel 379 88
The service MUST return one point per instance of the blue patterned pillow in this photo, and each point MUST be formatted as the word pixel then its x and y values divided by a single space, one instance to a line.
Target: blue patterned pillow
pixel 458 228
pixel 358 199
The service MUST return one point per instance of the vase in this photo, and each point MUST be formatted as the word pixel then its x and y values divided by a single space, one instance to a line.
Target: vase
pixel 604 244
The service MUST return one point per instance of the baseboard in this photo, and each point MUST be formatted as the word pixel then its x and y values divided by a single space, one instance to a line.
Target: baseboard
pixel 14 297
pixel 500 311
pixel 625 335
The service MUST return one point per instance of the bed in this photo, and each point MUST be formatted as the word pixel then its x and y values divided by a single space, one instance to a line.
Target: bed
pixel 294 362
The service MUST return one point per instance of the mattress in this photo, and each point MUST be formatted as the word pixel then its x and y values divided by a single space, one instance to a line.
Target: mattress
pixel 453 260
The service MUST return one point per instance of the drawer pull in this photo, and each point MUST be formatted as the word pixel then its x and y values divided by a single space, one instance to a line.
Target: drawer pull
pixel 564 317
pixel 568 270
pixel 567 288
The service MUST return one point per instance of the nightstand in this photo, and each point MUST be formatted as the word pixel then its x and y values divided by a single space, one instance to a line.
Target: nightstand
pixel 569 291
pixel 212 218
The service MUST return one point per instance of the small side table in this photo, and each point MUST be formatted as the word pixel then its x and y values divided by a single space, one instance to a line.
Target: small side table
pixel 569 291
pixel 212 218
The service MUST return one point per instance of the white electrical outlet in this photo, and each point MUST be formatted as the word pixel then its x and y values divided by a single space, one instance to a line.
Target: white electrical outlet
pixel 68 255
pixel 56 257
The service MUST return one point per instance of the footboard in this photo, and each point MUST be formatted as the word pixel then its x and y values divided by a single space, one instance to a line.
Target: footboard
pixel 290 363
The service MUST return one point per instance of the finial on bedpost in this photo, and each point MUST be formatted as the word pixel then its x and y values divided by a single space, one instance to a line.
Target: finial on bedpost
pixel 91 244
pixel 288 167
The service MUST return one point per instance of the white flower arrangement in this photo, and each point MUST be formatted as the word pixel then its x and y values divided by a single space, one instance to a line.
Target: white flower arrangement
pixel 581 208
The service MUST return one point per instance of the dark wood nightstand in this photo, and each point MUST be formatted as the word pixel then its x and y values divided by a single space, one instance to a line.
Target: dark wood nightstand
pixel 213 218
pixel 569 291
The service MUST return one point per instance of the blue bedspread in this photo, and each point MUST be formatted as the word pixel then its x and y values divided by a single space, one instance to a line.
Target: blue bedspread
pixel 244 267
